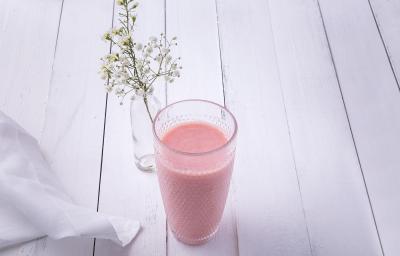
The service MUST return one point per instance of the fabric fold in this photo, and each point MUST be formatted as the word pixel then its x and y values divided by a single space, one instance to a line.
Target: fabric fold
pixel 33 203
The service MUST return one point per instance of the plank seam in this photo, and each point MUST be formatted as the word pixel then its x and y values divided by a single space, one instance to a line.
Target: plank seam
pixel 223 82
pixel 290 139
pixel 384 44
pixel 223 78
pixel 52 66
pixel 103 138
pixel 351 130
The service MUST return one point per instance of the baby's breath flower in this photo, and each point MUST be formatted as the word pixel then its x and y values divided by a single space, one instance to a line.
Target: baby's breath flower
pixel 106 36
pixel 125 41
pixel 176 73
pixel 158 58
pixel 112 57
pixel 134 66
pixel 165 50
pixel 109 87
pixel 149 50
pixel 116 31
pixel 153 39
pixel 139 46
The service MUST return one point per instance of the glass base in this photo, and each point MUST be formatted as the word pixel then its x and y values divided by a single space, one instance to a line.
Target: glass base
pixel 199 241
pixel 146 163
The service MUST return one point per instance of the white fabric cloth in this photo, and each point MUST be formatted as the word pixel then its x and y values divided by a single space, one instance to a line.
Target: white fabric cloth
pixel 33 204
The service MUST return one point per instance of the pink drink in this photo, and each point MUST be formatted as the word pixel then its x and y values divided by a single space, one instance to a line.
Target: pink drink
pixel 194 164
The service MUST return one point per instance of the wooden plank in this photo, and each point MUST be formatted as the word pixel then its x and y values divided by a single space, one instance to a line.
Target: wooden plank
pixel 386 14
pixel 269 210
pixel 125 190
pixel 29 32
pixel 73 130
pixel 26 64
pixel 372 99
pixel 336 205
pixel 195 25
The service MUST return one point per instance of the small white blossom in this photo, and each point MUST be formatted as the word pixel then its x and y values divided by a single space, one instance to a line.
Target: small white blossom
pixel 109 87
pixel 106 36
pixel 139 46
pixel 176 73
pixel 133 67
pixel 125 41
pixel 158 58
pixel 153 39
pixel 149 49
pixel 165 51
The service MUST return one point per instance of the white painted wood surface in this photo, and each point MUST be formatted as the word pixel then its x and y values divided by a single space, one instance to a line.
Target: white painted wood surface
pixel 337 209
pixel 373 103
pixel 387 18
pixel 270 218
pixel 312 84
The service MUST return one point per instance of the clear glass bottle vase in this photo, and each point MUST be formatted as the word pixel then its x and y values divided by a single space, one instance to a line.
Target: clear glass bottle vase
pixel 144 108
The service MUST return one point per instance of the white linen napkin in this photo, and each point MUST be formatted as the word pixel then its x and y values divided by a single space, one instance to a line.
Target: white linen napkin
pixel 33 204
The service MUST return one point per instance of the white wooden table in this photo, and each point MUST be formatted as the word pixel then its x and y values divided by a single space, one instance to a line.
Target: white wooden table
pixel 313 84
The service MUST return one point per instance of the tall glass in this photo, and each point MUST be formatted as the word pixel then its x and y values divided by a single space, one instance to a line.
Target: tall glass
pixel 194 185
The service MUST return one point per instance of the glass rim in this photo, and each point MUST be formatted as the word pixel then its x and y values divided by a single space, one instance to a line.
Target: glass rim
pixel 226 144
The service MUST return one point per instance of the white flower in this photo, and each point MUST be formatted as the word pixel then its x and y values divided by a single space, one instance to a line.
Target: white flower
pixel 165 50
pixel 176 73
pixel 106 36
pixel 174 66
pixel 125 41
pixel 139 46
pixel 124 61
pixel 103 76
pixel 149 49
pixel 146 70
pixel 112 57
pixel 119 91
pixel 168 59
pixel 153 39
pixel 135 5
pixel 158 58
pixel 109 87
pixel 116 31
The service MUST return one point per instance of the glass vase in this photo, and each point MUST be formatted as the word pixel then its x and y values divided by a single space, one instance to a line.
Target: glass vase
pixel 144 108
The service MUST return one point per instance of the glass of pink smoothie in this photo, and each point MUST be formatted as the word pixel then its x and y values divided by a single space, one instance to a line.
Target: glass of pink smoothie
pixel 194 143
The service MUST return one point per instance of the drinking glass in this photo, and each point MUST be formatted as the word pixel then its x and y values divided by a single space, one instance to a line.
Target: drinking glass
pixel 194 186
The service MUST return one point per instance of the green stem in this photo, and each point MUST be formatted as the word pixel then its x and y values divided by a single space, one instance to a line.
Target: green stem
pixel 147 108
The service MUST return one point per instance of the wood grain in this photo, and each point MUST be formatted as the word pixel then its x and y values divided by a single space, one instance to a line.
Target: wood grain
pixel 387 19
pixel 336 205
pixel 73 129
pixel 372 100
pixel 125 190
pixel 269 210
pixel 27 44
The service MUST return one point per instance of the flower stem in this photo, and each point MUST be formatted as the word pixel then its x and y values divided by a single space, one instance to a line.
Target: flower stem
pixel 147 108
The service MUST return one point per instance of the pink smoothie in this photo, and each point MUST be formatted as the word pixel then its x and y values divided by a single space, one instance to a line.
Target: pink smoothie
pixel 194 186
